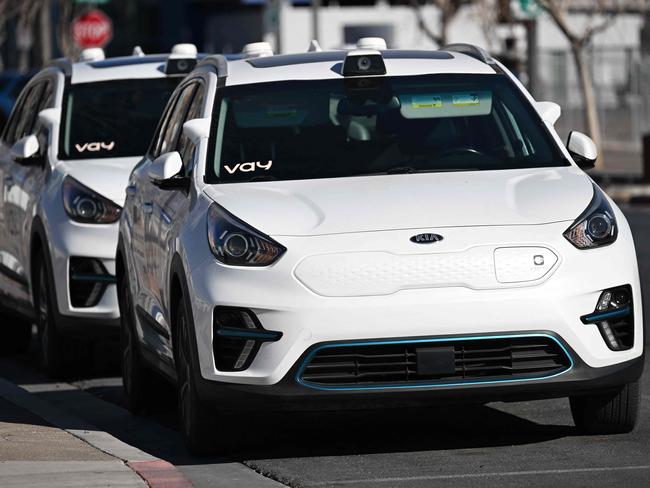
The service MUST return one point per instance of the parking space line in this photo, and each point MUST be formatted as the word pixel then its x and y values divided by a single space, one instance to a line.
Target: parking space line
pixel 536 472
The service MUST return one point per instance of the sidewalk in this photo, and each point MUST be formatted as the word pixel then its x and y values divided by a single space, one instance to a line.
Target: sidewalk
pixel 35 454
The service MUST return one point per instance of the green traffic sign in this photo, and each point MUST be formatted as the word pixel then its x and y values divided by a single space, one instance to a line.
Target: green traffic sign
pixel 530 8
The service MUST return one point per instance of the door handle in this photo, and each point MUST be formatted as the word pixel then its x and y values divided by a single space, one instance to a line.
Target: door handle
pixel 9 180
pixel 147 207
pixel 131 190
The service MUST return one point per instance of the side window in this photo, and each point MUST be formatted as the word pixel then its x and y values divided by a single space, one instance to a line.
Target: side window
pixel 185 146
pixel 177 118
pixel 162 126
pixel 16 114
pixel 44 102
pixel 29 112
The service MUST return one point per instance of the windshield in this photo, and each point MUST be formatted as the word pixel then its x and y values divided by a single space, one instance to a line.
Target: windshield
pixel 112 119
pixel 333 128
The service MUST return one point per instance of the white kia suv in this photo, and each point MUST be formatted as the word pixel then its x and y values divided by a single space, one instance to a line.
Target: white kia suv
pixel 373 227
pixel 75 134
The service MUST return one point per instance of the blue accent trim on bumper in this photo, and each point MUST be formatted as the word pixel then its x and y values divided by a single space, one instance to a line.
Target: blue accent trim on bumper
pixel 596 317
pixel 94 278
pixel 311 355
pixel 249 334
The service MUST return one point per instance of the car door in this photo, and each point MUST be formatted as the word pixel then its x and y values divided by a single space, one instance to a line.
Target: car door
pixel 20 192
pixel 138 193
pixel 29 179
pixel 9 279
pixel 157 221
pixel 172 206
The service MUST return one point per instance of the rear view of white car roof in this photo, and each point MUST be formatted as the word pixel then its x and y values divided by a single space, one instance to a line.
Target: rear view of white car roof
pixel 127 67
pixel 93 66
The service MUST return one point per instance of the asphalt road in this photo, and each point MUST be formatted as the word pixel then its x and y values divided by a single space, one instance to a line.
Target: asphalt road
pixel 529 443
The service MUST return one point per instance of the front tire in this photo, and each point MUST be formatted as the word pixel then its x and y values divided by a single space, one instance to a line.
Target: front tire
pixel 196 420
pixel 607 413
pixel 51 351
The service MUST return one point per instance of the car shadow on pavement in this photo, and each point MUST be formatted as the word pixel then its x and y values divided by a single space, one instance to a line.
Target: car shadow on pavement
pixel 305 434
pixel 292 434
pixel 390 431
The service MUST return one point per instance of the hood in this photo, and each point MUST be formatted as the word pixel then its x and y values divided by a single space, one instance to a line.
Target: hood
pixel 108 177
pixel 408 201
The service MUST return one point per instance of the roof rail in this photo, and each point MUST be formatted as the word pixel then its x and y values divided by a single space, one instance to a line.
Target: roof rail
pixel 470 50
pixel 218 61
pixel 64 64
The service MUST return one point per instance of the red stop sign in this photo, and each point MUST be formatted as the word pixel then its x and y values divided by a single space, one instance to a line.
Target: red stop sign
pixel 92 29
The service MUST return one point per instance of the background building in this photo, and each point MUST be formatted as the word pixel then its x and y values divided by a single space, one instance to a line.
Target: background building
pixel 34 31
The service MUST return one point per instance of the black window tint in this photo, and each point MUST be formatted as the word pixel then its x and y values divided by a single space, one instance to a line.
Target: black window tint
pixel 10 129
pixel 112 118
pixel 185 146
pixel 45 102
pixel 336 128
pixel 175 124
pixel 29 112
pixel 162 126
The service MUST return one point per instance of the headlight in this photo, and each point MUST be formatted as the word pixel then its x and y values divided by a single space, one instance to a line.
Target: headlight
pixel 84 205
pixel 235 243
pixel 596 226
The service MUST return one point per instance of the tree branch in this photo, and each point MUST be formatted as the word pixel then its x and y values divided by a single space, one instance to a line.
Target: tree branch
pixel 423 25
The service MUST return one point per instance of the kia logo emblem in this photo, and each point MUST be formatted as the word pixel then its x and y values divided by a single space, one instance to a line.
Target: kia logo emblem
pixel 426 238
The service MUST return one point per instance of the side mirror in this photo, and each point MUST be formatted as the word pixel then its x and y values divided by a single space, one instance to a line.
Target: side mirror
pixel 165 171
pixel 549 111
pixel 582 149
pixel 25 150
pixel 49 116
pixel 197 129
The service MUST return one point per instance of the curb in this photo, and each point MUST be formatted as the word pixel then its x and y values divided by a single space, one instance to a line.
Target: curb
pixel 157 473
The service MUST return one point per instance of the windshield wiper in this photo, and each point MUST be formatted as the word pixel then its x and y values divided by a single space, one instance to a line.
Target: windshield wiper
pixel 402 170
pixel 263 178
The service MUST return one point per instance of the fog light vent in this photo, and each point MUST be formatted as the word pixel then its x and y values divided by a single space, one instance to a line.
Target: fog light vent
pixel 237 338
pixel 614 317
pixel 88 280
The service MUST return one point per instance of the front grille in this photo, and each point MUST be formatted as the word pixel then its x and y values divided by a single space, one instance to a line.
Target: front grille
pixel 469 360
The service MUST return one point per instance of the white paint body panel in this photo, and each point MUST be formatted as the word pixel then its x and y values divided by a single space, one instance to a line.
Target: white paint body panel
pixel 361 204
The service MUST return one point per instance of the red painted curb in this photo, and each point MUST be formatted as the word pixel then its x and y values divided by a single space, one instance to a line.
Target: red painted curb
pixel 159 474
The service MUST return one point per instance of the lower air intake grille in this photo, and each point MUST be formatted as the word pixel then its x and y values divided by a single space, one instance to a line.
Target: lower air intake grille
pixel 434 362
pixel 88 280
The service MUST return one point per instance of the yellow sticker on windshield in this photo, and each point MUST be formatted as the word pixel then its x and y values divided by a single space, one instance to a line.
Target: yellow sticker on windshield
pixel 426 101
pixel 466 100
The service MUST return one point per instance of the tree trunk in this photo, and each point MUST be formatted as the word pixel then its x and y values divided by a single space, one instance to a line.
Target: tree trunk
pixel 45 32
pixel 592 122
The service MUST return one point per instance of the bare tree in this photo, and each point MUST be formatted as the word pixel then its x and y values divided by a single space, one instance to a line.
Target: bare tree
pixel 8 10
pixel 448 10
pixel 601 15
pixel 64 38
pixel 27 13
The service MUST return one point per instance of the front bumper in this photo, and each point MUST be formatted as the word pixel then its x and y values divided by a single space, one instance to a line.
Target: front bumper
pixel 581 379
pixel 305 318
pixel 75 240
